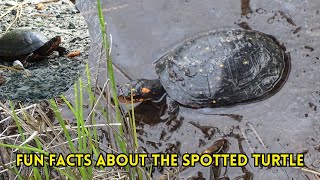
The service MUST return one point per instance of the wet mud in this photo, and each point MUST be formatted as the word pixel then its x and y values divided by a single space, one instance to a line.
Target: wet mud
pixel 288 122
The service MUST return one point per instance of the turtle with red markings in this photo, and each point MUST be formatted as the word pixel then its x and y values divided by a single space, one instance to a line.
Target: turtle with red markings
pixel 28 46
pixel 215 69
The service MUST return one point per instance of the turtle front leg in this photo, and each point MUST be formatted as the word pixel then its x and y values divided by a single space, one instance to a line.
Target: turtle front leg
pixel 29 58
pixel 172 109
pixel 62 51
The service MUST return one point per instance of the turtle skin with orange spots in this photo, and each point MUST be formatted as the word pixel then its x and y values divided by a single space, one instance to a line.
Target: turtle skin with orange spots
pixel 216 69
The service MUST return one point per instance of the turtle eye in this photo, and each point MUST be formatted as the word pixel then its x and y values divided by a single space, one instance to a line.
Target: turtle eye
pixel 145 90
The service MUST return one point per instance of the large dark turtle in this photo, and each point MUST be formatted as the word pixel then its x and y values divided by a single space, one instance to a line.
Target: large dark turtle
pixel 28 45
pixel 216 69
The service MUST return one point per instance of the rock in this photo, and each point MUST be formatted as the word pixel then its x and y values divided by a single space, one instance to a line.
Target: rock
pixel 71 25
pixel 23 88
pixel 18 65
pixel 39 6
pixel 14 12
pixel 11 3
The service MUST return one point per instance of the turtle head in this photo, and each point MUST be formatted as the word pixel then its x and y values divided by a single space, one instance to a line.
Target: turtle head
pixel 140 90
pixel 48 47
pixel 55 42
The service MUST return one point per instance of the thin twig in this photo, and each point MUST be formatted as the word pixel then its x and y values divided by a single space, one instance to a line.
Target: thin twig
pixel 257 135
pixel 306 169
pixel 49 1
pixel 33 135
pixel 246 139
pixel 11 8
pixel 18 15
pixel 57 128
pixel 96 103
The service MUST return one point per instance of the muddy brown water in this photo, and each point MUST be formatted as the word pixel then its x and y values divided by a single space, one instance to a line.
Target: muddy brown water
pixel 288 122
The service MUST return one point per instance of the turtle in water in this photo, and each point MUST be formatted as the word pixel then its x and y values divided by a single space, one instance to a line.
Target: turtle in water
pixel 28 45
pixel 215 69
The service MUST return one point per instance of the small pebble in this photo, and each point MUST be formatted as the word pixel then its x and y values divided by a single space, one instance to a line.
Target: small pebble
pixel 11 3
pixel 75 11
pixel 71 25
pixel 3 28
pixel 39 6
pixel 18 65
pixel 23 88
pixel 14 12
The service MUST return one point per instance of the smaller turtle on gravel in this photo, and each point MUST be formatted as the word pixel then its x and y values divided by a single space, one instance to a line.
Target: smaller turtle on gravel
pixel 215 69
pixel 28 45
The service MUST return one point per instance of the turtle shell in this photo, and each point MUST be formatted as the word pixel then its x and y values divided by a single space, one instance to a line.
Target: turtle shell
pixel 20 42
pixel 223 68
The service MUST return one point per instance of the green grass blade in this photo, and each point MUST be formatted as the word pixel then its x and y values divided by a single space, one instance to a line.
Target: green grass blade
pixel 61 121
pixel 111 76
